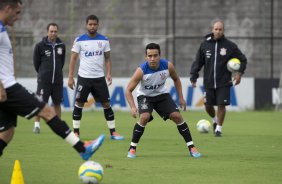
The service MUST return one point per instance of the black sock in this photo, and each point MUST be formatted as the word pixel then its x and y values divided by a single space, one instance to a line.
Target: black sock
pixel 59 127
pixel 112 130
pixel 185 132
pixel 79 147
pixel 2 146
pixel 137 133
pixel 76 130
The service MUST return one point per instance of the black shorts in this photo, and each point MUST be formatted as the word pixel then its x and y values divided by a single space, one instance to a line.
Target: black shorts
pixel 21 102
pixel 96 86
pixel 162 104
pixel 53 90
pixel 219 96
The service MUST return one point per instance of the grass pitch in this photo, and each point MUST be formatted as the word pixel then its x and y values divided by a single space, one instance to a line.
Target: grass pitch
pixel 250 151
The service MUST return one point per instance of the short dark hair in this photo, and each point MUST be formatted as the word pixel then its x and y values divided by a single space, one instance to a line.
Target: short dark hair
pixel 13 3
pixel 52 24
pixel 92 17
pixel 153 46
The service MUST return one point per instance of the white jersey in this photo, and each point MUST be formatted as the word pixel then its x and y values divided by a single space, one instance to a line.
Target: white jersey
pixel 6 59
pixel 91 54
pixel 153 81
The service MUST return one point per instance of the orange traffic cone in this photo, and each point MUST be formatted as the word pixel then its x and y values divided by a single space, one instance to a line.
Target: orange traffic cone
pixel 17 176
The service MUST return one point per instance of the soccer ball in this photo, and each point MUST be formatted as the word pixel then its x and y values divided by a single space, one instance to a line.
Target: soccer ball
pixel 90 172
pixel 203 126
pixel 233 65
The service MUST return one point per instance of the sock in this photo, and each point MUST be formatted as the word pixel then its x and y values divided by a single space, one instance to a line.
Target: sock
pixel 214 119
pixel 218 128
pixel 110 117
pixel 76 117
pixel 37 124
pixel 111 126
pixel 137 133
pixel 76 126
pixel 3 144
pixel 132 146
pixel 185 132
pixel 190 145
pixel 62 130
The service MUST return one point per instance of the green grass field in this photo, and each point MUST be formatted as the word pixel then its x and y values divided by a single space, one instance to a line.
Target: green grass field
pixel 250 152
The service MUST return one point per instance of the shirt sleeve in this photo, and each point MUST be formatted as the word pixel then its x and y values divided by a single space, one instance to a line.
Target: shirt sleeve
pixel 76 46
pixel 107 46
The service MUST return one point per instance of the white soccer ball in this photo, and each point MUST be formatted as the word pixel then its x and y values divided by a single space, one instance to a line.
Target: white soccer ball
pixel 90 172
pixel 233 65
pixel 203 126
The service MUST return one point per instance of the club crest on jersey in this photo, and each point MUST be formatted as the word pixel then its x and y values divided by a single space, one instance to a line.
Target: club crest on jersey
pixel 100 45
pixel 60 51
pixel 223 51
pixel 163 76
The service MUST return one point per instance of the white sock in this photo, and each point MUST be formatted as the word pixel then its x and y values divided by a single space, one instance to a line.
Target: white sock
pixel 189 143
pixel 72 139
pixel 218 128
pixel 111 124
pixel 37 124
pixel 76 123
pixel 214 119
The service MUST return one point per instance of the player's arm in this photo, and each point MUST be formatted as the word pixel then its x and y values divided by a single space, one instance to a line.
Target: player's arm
pixel 135 79
pixel 3 94
pixel 108 64
pixel 177 84
pixel 196 67
pixel 73 60
pixel 239 55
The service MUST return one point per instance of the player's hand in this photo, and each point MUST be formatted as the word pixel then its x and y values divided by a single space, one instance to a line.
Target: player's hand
pixel 237 79
pixel 193 84
pixel 109 80
pixel 134 112
pixel 182 104
pixel 3 94
pixel 71 83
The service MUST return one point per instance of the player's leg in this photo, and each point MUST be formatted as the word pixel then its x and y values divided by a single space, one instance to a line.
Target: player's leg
pixel 145 109
pixel 43 93
pixel 26 104
pixel 167 109
pixel 81 95
pixel 8 123
pixel 101 94
pixel 222 99
pixel 210 101
pixel 57 98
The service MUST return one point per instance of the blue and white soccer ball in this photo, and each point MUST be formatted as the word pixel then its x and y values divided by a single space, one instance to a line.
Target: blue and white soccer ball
pixel 203 126
pixel 91 172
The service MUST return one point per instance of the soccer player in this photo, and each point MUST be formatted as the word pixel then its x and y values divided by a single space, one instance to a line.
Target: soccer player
pixel 48 61
pixel 16 100
pixel 93 50
pixel 153 95
pixel 214 53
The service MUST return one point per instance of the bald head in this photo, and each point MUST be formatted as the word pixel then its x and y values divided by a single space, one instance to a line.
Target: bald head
pixel 218 29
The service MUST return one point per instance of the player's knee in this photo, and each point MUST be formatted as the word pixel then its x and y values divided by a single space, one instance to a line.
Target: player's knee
pixel 176 117
pixel 145 118
pixel 47 113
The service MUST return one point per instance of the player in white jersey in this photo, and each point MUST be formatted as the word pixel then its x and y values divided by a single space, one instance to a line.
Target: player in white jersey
pixel 16 100
pixel 153 95
pixel 93 50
